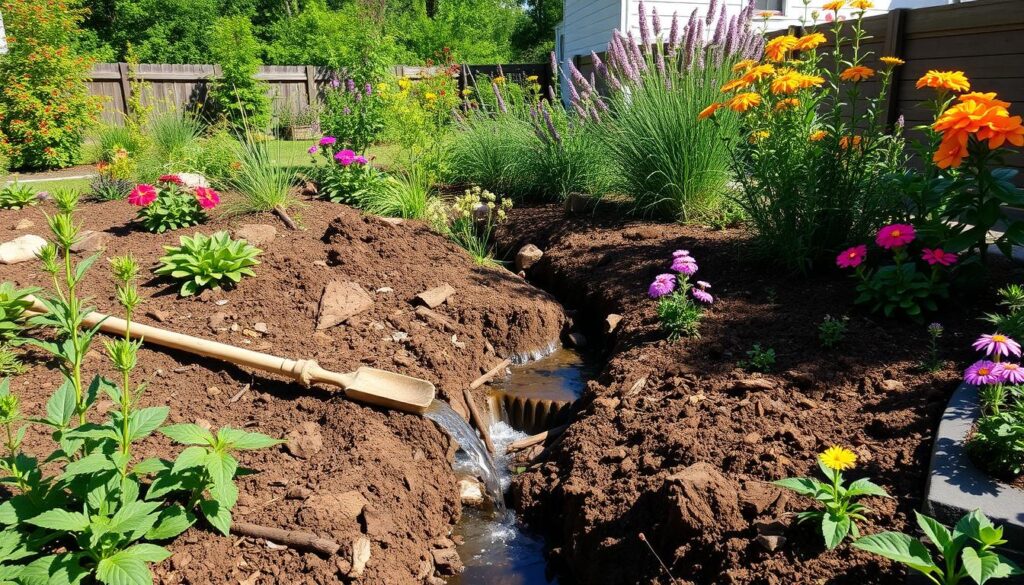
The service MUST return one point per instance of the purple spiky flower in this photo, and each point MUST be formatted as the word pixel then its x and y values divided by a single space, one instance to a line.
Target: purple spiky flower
pixel 718 38
pixel 645 30
pixel 673 35
pixel 712 9
pixel 550 124
pixel 656 22
pixel 554 68
pixel 637 56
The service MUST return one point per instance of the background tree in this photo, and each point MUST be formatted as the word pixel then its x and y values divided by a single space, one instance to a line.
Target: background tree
pixel 237 94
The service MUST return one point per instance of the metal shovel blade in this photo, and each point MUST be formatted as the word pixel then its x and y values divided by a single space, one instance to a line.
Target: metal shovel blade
pixel 389 389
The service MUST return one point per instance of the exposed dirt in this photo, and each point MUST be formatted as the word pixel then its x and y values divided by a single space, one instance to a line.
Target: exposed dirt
pixel 379 474
pixel 686 456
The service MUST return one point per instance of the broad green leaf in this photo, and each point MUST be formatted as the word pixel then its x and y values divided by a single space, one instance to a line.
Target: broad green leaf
pixel 864 487
pixel 150 466
pixel 88 464
pixel 92 431
pixel 61 406
pixel 805 486
pixel 221 467
pixel 136 516
pixel 123 568
pixel 936 532
pixel 190 457
pixel 898 547
pixel 217 515
pixel 61 569
pixel 150 553
pixel 145 421
pixel 59 519
pixel 173 521
pixel 835 528
pixel 241 440
pixel 188 434
pixel 984 565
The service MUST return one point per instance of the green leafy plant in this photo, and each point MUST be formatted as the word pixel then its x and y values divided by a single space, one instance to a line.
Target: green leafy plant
pixel 967 551
pixel 238 95
pixel 759 359
pixel 16 196
pixel 933 362
pixel 678 312
pixel 264 185
pixel 202 262
pixel 840 509
pixel 352 113
pixel 831 331
pixel 997 444
pixel 408 194
pixel 13 302
pixel 106 188
pixel 1011 320
pixel 10 365
pixel 170 206
pixel 344 176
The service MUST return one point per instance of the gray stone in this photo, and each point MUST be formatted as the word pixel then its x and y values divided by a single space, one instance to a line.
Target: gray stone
pixel 340 301
pixel 192 180
pixel 21 249
pixel 470 492
pixel 257 234
pixel 527 256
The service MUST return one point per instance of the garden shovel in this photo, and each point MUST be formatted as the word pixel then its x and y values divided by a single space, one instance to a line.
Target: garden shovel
pixel 369 385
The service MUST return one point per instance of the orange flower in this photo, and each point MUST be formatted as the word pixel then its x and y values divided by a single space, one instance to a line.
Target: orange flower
pixel 862 4
pixel 787 103
pixel 744 101
pixel 834 6
pixel 808 42
pixel 951 150
pixel 758 73
pixel 743 65
pixel 988 99
pixel 892 61
pixel 817 135
pixel 846 141
pixel 777 48
pixel 945 80
pixel 735 84
pixel 792 81
pixel 709 111
pixel 1002 130
pixel 857 73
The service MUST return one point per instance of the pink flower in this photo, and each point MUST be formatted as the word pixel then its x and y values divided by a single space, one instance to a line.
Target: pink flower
pixel 345 157
pixel 175 179
pixel 684 265
pixel 997 344
pixel 895 235
pixel 1009 373
pixel 938 256
pixel 703 284
pixel 681 254
pixel 663 284
pixel 142 195
pixel 328 140
pixel 361 160
pixel 982 372
pixel 852 257
pixel 702 296
pixel 313 149
pixel 207 197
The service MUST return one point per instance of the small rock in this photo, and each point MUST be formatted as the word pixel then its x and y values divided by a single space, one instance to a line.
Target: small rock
pixel 350 504
pixel 24 224
pixel 754 384
pixel 235 328
pixel 340 301
pixel 158 315
pixel 360 556
pixel 297 493
pixel 435 296
pixel 392 220
pixel 44 196
pixel 213 391
pixel 752 438
pixel 627 466
pixel 203 424
pixel 305 440
pixel 447 561
pixel 892 385
pixel 192 180
pixel 320 263
pixel 217 320
pixel 90 241
pixel 220 302
pixel 261 327
pixel 807 403
pixel 21 249
pixel 385 290
pixel 458 344
pixel 611 323
pixel 615 454
pixel 770 541
pixel 577 339
pixel 399 336
pixel 470 492
pixel 527 256
pixel 257 234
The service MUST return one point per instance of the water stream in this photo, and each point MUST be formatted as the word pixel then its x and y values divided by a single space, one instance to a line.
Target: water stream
pixel 470 444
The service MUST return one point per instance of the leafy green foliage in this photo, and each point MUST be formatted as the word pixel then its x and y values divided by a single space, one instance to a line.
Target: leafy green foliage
pixel 408 194
pixel 831 331
pixel 174 208
pixel 997 444
pixel 352 113
pixel 107 188
pixel 202 262
pixel 900 287
pixel 10 365
pixel 759 359
pixel 263 184
pixel 16 196
pixel 966 551
pixel 344 176
pixel 470 222
pixel 13 303
pixel 840 510
pixel 1011 320
pixel 45 106
pixel 679 315
pixel 238 95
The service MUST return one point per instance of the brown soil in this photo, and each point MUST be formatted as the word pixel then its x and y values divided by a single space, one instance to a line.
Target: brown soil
pixel 399 463
pixel 686 456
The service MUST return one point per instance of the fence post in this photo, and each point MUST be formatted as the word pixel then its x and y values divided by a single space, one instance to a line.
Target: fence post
pixel 126 87
pixel 894 33
pixel 311 96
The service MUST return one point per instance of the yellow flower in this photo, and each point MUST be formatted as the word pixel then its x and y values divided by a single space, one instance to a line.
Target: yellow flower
pixel 766 14
pixel 467 91
pixel 404 83
pixel 735 84
pixel 709 111
pixel 777 48
pixel 499 79
pixel 945 80
pixel 787 103
pixel 856 73
pixel 532 78
pixel 744 101
pixel 892 61
pixel 838 458
pixel 791 81
pixel 817 135
pixel 808 42
pixel 834 6
pixel 743 65
pixel 758 136
pixel 862 4
pixel 430 96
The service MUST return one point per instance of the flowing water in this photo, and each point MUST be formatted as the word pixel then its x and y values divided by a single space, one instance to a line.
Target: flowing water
pixel 472 446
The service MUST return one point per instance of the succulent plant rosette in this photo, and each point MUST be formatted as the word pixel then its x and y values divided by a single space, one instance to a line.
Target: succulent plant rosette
pixel 899 287
pixel 343 175
pixel 680 301
pixel 171 205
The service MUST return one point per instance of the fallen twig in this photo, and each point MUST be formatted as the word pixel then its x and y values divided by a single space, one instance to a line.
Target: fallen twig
pixel 490 374
pixel 478 421
pixel 296 539
pixel 238 395
pixel 535 439
pixel 288 221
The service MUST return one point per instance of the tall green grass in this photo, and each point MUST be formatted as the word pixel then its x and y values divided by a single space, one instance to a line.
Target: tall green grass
pixel 489 152
pixel 110 138
pixel 408 194
pixel 263 185
pixel 173 133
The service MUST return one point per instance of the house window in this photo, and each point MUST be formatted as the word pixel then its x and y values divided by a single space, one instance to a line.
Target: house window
pixel 777 5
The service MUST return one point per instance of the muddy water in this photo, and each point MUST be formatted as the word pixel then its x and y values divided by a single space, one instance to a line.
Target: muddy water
pixel 497 549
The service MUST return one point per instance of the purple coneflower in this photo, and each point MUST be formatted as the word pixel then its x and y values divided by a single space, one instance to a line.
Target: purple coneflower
pixel 685 265
pixel 663 285
pixel 702 296
pixel 997 344
pixel 1009 373
pixel 313 149
pixel 328 140
pixel 350 85
pixel 981 372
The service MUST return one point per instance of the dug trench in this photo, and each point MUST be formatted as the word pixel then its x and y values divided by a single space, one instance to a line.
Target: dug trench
pixel 676 441
pixel 349 473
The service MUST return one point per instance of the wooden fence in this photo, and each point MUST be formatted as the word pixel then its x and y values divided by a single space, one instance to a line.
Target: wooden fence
pixel 291 87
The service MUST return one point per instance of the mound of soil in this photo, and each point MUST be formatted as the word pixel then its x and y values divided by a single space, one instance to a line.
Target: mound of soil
pixel 350 471
pixel 675 441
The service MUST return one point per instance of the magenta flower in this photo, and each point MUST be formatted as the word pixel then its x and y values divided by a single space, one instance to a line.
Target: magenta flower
pixel 1009 373
pixel 852 257
pixel 895 235
pixel 313 149
pixel 681 253
pixel 997 344
pixel 328 140
pixel 982 372
pixel 938 256
pixel 345 157
pixel 685 265
pixel 361 160
pixel 207 197
pixel 663 285
pixel 142 195
pixel 702 296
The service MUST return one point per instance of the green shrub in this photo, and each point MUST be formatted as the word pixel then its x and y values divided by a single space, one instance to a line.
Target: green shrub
pixel 17 196
pixel 407 194
pixel 174 137
pixel 202 262
pixel 45 106
pixel 352 113
pixel 237 94
pixel 216 157
pixel 344 177
pixel 759 359
pixel 470 222
pixel 567 157
pixel 13 303
pixel 113 138
pixel 105 188
pixel 489 152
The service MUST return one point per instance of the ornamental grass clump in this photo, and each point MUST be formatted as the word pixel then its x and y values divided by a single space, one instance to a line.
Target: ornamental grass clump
pixel 671 163
pixel 814 159
pixel 680 301
pixel 171 205
pixel 840 511
pixel 202 262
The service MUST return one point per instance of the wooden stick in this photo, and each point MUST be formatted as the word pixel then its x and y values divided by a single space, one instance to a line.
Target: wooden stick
pixel 296 539
pixel 535 439
pixel 490 374
pixel 288 221
pixel 238 395
pixel 478 421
